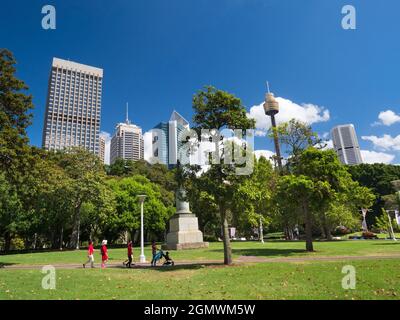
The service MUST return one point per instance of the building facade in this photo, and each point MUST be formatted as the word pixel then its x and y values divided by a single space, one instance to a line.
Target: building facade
pixel 73 106
pixel 102 148
pixel 167 137
pixel 346 145
pixel 127 143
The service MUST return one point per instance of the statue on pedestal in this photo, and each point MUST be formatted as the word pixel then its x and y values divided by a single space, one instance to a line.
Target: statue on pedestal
pixel 184 230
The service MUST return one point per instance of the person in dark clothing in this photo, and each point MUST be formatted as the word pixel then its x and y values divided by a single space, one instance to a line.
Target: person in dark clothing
pixel 128 263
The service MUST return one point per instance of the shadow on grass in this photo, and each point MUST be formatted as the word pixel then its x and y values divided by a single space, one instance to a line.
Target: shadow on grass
pixel 5 264
pixel 263 252
pixel 386 243
pixel 188 266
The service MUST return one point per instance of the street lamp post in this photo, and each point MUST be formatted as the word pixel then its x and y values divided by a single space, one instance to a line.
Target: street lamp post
pixel 142 257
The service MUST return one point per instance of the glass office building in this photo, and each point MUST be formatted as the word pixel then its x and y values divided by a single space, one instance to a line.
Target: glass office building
pixel 167 141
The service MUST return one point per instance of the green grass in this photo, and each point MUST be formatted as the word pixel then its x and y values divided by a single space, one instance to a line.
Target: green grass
pixel 376 279
pixel 270 249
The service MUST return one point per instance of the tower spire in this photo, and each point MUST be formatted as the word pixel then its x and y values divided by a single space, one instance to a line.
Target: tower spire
pixel 127 114
pixel 268 87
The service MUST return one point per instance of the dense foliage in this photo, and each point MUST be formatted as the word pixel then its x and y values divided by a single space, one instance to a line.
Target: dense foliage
pixel 63 199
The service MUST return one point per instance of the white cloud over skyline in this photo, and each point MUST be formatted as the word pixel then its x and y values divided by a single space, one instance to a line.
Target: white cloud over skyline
pixel 107 138
pixel 385 142
pixel 306 112
pixel 264 153
pixel 376 157
pixel 148 146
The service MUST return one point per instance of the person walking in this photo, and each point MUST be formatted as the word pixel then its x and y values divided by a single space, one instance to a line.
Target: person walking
pixel 90 255
pixel 128 262
pixel 104 254
pixel 154 252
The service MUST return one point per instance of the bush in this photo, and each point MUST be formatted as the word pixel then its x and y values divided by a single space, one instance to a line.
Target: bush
pixel 340 231
pixel 369 235
pixel 210 239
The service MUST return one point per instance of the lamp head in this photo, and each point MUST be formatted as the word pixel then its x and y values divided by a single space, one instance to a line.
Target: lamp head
pixel 141 197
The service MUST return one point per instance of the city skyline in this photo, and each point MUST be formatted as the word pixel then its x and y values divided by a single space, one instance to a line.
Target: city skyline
pixel 157 65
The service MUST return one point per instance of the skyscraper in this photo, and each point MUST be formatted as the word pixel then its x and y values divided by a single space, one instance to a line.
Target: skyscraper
pixel 102 148
pixel 127 142
pixel 167 145
pixel 346 145
pixel 73 106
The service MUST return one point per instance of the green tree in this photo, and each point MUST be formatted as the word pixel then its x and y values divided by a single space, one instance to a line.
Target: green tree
pixel 378 177
pixel 300 194
pixel 87 175
pixel 14 116
pixel 296 136
pixel 252 198
pixel 126 217
pixel 216 110
pixel 320 165
pixel 10 209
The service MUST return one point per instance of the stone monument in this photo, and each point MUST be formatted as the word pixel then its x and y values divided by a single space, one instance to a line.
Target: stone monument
pixel 184 230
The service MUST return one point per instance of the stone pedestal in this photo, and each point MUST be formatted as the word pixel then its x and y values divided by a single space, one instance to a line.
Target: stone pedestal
pixel 184 230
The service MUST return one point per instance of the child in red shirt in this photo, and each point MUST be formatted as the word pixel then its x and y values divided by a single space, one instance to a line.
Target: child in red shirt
pixel 104 255
pixel 90 255
pixel 128 262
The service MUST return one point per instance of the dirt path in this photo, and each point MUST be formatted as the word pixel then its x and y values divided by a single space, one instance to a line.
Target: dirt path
pixel 240 260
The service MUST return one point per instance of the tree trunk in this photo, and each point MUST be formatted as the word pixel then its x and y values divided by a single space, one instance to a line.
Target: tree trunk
pixel 328 233
pixel 61 238
pixel 225 236
pixel 261 233
pixel 74 244
pixel 7 241
pixel 326 229
pixel 323 234
pixel 308 228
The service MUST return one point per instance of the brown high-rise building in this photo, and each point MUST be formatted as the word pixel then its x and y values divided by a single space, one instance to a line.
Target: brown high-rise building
pixel 102 148
pixel 73 106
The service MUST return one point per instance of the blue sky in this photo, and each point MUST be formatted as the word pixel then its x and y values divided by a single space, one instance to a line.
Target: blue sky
pixel 157 54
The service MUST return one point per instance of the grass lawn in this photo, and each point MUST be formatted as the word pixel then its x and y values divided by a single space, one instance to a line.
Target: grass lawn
pixel 270 249
pixel 376 279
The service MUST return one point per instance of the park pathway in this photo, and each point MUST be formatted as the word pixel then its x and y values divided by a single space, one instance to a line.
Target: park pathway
pixel 238 261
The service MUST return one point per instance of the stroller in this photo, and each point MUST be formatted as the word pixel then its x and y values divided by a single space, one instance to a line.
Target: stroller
pixel 159 255
pixel 168 261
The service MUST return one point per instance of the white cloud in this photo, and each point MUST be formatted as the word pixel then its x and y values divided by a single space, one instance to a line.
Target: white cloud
pixel 148 145
pixel 328 144
pixel 264 153
pixel 376 157
pixel 107 138
pixel 387 118
pixel 308 113
pixel 386 142
pixel 325 135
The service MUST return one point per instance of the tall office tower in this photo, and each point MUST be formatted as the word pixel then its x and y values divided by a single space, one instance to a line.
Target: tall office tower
pixel 167 139
pixel 102 149
pixel 127 142
pixel 167 145
pixel 73 106
pixel 346 145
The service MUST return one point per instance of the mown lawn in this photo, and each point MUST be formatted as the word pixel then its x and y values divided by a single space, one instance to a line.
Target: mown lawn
pixel 376 279
pixel 270 249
